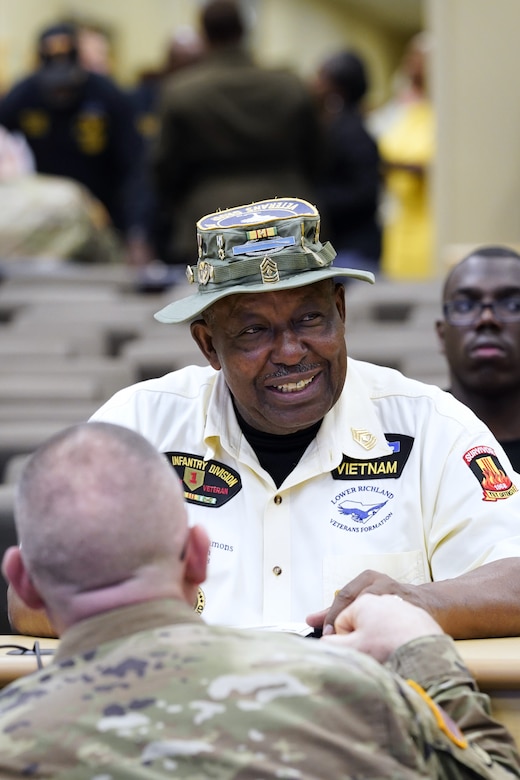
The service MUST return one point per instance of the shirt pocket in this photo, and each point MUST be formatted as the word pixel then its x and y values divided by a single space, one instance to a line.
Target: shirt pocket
pixel 338 570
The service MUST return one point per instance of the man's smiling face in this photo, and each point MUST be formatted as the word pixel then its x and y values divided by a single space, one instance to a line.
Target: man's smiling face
pixel 283 353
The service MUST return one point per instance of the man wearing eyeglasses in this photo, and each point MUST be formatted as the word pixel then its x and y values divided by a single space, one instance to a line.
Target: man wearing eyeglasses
pixel 480 337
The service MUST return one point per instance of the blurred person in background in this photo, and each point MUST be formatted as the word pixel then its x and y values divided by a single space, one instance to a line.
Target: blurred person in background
pixel 480 338
pixel 79 125
pixel 407 144
pixel 230 132
pixel 184 48
pixel 94 49
pixel 45 216
pixel 350 180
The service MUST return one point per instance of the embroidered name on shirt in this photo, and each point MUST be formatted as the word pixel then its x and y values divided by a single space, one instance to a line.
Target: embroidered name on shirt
pixel 385 467
pixel 205 482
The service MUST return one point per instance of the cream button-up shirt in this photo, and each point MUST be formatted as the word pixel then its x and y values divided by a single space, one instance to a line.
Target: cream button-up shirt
pixel 401 478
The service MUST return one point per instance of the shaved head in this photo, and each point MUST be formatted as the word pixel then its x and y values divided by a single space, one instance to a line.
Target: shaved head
pixel 98 506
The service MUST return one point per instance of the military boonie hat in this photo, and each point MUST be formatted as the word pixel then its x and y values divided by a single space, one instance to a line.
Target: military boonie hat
pixel 265 246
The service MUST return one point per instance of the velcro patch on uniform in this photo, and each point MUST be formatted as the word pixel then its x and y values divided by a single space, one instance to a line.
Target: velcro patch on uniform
pixel 206 482
pixel 443 720
pixel 386 467
pixel 485 465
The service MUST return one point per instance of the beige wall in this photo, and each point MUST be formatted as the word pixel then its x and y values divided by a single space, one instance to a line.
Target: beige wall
pixel 476 85
pixel 297 33
pixel 300 33
pixel 141 29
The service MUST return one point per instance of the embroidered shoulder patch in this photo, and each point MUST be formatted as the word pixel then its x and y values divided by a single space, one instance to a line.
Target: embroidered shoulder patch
pixel 205 482
pixel 386 467
pixel 443 720
pixel 494 481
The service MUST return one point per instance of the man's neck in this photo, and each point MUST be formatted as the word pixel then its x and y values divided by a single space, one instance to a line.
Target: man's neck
pixel 500 412
pixel 278 455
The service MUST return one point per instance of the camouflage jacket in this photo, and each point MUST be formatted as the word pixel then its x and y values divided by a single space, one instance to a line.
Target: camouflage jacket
pixel 150 691
pixel 54 218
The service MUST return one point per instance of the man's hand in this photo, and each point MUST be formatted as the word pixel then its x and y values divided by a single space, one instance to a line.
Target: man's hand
pixel 378 625
pixel 367 582
pixel 480 603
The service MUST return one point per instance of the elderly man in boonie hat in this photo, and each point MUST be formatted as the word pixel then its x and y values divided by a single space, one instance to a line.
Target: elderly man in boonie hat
pixel 314 482
pixel 262 247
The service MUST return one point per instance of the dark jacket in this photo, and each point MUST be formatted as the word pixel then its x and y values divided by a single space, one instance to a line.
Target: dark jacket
pixel 231 133
pixel 93 141
pixel 350 186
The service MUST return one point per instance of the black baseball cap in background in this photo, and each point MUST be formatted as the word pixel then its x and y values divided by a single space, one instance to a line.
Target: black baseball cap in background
pixel 60 73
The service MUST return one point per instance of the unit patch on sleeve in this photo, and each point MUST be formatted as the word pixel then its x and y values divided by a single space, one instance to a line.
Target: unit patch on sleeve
pixel 205 482
pixel 386 467
pixel 485 465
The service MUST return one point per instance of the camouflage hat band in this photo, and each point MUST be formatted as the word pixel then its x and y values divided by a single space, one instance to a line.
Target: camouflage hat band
pixel 266 246
pixel 267 269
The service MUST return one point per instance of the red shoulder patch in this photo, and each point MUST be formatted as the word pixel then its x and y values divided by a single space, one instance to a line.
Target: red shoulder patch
pixel 486 467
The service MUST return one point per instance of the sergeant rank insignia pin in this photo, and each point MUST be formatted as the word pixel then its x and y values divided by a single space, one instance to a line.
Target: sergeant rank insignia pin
pixel 269 270
pixel 363 437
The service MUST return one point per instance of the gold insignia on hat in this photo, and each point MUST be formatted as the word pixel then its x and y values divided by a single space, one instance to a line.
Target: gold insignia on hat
pixel 190 276
pixel 199 245
pixel 266 232
pixel 367 440
pixel 205 272
pixel 220 247
pixel 269 271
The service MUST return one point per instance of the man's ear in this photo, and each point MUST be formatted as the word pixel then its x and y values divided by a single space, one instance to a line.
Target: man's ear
pixel 339 294
pixel 195 561
pixel 201 334
pixel 439 327
pixel 14 571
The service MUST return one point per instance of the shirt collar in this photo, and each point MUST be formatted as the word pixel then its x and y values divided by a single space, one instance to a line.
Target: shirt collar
pixel 352 427
pixel 108 626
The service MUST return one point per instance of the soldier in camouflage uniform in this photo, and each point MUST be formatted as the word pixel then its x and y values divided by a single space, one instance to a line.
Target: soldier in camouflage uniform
pixel 140 687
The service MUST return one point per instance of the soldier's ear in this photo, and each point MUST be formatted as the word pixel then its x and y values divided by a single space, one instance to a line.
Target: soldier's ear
pixel 195 560
pixel 16 574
